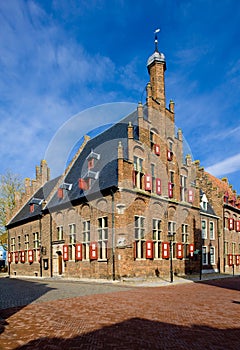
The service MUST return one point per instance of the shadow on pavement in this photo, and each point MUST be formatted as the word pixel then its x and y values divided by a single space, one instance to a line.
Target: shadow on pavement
pixel 17 293
pixel 138 333
pixel 232 283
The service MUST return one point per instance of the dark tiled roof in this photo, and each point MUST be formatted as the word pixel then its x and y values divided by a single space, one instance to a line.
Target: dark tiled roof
pixel 106 145
pixel 24 214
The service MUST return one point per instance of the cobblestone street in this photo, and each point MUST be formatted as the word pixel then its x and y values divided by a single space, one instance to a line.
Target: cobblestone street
pixel 76 315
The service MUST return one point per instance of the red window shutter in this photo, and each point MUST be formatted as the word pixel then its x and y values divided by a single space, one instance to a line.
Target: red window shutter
pixel 169 155
pixel 78 251
pixel 93 251
pixel 230 259
pixel 22 255
pixel 179 250
pixel 60 193
pixel 9 257
pixel 170 190
pixel 238 225
pixel 30 256
pixel 231 224
pixel 31 208
pixel 158 186
pixel 83 184
pixel 237 260
pixel 157 149
pixel 134 178
pixel 65 252
pixel 16 257
pixel 191 250
pixel 148 182
pixel 165 250
pixel 190 196
pixel 149 249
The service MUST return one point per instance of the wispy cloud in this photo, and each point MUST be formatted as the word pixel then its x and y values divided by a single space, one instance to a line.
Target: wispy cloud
pixel 225 167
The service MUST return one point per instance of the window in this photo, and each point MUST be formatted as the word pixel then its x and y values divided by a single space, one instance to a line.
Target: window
pixel 13 244
pixel 204 229
pixel 60 233
pixel 171 228
pixel 26 239
pixel 151 140
pixel 138 172
pixel 170 146
pixel 139 235
pixel 72 241
pixel 185 240
pixel 204 256
pixel 183 187
pixel 36 240
pixel 86 239
pixel 153 178
pixel 157 237
pixel 19 242
pixel 225 248
pixel 233 248
pixel 103 237
pixel 212 255
pixel 211 230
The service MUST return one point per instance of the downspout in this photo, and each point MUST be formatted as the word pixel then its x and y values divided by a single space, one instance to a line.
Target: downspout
pixel 40 233
pixel 9 263
pixel 113 237
pixel 224 253
pixel 50 251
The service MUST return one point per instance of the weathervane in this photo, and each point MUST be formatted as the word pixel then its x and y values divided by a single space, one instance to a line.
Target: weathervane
pixel 156 39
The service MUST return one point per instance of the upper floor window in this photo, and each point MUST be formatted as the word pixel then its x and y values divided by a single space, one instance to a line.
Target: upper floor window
pixel 36 240
pixel 60 233
pixel 138 172
pixel 183 187
pixel 19 242
pixel 13 244
pixel 204 229
pixel 211 230
pixel 26 240
pixel 171 228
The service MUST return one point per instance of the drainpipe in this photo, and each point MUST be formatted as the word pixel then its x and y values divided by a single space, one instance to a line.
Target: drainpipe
pixel 9 263
pixel 50 251
pixel 113 238
pixel 224 257
pixel 40 233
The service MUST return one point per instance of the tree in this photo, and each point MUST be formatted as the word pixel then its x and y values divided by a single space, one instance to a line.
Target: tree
pixel 10 184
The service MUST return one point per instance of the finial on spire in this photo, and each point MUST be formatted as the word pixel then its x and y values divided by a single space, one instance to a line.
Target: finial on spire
pixel 156 39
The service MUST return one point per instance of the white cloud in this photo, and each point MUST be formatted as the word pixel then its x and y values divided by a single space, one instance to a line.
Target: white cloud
pixel 227 166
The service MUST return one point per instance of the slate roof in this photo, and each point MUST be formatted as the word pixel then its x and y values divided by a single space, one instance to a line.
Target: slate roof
pixel 104 144
pixel 24 213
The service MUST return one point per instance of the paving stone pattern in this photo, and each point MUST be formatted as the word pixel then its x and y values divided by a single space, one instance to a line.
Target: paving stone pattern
pixel 183 316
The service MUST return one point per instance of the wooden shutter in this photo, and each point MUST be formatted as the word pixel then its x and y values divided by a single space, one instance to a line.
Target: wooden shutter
pixel 93 251
pixel 191 250
pixel 16 257
pixel 237 260
pixel 30 256
pixel 190 196
pixel 157 149
pixel 83 184
pixel 170 190
pixel 149 249
pixel 158 186
pixel 22 256
pixel 78 251
pixel 230 259
pixel 179 247
pixel 60 193
pixel 148 182
pixel 31 208
pixel 65 252
pixel 238 225
pixel 9 257
pixel 165 250
pixel 231 224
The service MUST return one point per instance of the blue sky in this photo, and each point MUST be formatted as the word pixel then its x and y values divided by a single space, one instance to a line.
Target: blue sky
pixel 58 58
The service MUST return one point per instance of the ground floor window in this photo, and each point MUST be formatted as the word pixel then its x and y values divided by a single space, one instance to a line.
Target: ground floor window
pixel 102 237
pixel 212 255
pixel 156 226
pixel 86 239
pixel 139 227
pixel 72 241
pixel 204 256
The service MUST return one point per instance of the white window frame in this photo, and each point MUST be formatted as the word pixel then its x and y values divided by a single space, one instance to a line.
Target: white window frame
pixel 86 239
pixel 204 232
pixel 139 231
pixel 212 255
pixel 138 168
pixel 183 187
pixel 204 254
pixel 36 240
pixel 102 237
pixel 156 230
pixel 60 233
pixel 13 244
pixel 72 241
pixel 211 230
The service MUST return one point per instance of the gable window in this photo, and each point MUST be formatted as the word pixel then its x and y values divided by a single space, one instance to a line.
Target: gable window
pixel 139 227
pixel 211 230
pixel 72 241
pixel 170 151
pixel 204 229
pixel 138 172
pixel 157 237
pixel 86 239
pixel 60 233
pixel 103 237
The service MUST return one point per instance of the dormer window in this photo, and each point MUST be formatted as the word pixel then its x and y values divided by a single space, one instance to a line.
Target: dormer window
pixel 204 202
pixel 66 186
pixel 93 155
pixel 33 202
